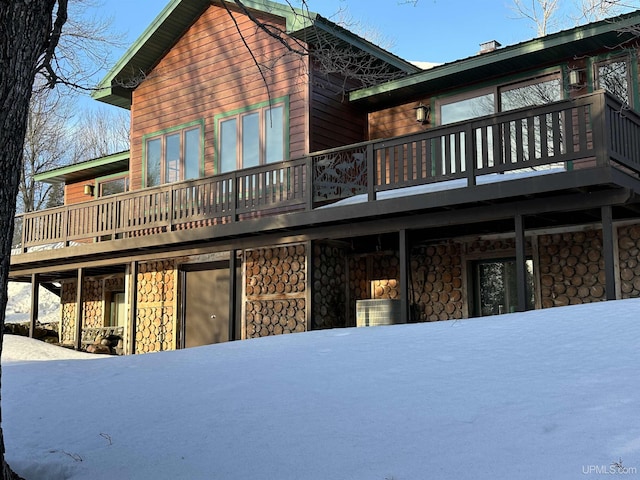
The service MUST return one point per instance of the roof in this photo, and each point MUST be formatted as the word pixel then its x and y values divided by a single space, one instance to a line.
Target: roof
pixel 179 15
pixel 90 169
pixel 503 61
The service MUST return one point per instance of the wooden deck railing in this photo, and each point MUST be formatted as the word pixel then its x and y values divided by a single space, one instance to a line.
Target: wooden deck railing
pixel 595 129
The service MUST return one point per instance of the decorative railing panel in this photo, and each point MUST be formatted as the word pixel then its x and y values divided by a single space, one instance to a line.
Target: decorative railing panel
pixel 594 129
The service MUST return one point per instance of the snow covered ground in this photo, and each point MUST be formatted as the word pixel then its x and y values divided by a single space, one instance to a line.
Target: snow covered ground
pixel 19 304
pixel 541 395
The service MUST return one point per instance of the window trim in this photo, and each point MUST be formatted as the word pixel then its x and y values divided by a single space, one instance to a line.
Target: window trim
pixel 162 134
pixel 107 178
pixel 239 113
pixel 632 72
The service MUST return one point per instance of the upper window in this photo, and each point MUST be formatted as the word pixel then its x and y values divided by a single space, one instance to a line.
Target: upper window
pixel 253 137
pixel 613 76
pixel 113 185
pixel 174 155
pixel 479 103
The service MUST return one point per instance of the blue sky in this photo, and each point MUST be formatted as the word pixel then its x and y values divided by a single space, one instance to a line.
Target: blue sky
pixel 434 30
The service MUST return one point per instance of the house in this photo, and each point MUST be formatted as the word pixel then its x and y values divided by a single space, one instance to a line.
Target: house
pixel 261 201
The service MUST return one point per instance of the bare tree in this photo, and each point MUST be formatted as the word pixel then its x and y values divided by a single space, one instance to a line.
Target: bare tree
pixel 30 35
pixel 46 145
pixel 100 132
pixel 543 14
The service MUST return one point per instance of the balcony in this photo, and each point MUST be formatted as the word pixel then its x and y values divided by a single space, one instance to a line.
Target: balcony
pixel 590 133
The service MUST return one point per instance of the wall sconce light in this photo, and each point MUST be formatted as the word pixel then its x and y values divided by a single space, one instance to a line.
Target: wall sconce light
pixel 422 113
pixel 88 190
pixel 576 78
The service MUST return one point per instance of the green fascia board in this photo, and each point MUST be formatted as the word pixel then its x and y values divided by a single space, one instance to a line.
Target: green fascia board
pixel 509 53
pixel 178 15
pixel 58 175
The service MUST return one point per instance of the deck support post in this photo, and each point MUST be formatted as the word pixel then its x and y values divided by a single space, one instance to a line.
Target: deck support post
pixel 608 252
pixel 521 263
pixel 133 306
pixel 35 300
pixel 233 292
pixel 405 317
pixel 79 307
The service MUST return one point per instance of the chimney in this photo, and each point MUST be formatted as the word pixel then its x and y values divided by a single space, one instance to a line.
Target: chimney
pixel 490 46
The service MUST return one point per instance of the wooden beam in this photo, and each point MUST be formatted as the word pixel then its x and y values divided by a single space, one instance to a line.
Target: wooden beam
pixel 35 301
pixel 79 307
pixel 608 252
pixel 133 306
pixel 404 276
pixel 521 264
pixel 233 291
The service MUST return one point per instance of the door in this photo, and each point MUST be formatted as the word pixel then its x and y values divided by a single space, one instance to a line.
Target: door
pixel 496 290
pixel 206 304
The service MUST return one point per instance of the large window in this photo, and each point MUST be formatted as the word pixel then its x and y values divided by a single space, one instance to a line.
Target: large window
pixel 613 76
pixel 252 137
pixel 173 155
pixel 496 290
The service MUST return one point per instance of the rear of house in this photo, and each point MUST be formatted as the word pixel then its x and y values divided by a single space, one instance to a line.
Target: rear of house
pixel 255 204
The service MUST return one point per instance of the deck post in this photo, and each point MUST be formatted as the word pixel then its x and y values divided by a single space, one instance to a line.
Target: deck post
pixel 233 292
pixel 371 172
pixel 405 317
pixel 79 309
pixel 521 264
pixel 608 252
pixel 35 300
pixel 133 306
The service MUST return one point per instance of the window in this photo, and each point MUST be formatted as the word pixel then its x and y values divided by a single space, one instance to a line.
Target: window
pixel 496 289
pixel 113 185
pixel 613 76
pixel 252 137
pixel 174 155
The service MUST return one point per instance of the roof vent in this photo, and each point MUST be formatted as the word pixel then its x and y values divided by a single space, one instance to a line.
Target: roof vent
pixel 490 46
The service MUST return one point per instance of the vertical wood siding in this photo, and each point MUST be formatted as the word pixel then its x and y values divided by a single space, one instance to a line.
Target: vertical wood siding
pixel 209 72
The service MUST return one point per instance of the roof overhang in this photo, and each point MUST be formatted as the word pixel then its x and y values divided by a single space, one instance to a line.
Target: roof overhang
pixel 117 86
pixel 504 61
pixel 91 169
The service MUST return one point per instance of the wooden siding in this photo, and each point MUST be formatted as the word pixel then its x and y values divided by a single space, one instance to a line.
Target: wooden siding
pixel 74 192
pixel 395 121
pixel 333 121
pixel 209 72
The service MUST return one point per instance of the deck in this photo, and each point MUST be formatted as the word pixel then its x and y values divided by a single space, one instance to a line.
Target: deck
pixel 592 139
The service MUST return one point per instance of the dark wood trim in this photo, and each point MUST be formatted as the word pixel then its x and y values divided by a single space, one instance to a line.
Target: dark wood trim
pixel 35 300
pixel 133 303
pixel 233 291
pixel 405 316
pixel 608 252
pixel 79 307
pixel 521 263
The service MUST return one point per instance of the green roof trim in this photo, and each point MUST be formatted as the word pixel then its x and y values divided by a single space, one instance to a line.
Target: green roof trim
pixel 88 169
pixel 179 15
pixel 503 59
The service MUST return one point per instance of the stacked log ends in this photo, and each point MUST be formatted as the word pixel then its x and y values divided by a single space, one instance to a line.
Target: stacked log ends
pixel 156 313
pixel 436 276
pixel 275 290
pixel 92 304
pixel 329 279
pixel 68 320
pixel 629 261
pixel 571 268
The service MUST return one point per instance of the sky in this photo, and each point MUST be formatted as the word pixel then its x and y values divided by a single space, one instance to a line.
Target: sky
pixel 551 393
pixel 433 30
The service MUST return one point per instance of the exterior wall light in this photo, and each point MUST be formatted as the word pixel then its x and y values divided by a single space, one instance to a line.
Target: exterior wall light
pixel 422 113
pixel 576 78
pixel 88 190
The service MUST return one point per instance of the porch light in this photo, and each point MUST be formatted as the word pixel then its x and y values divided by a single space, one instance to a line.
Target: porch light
pixel 88 190
pixel 422 113
pixel 576 78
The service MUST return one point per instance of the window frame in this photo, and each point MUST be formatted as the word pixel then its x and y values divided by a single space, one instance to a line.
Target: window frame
pixel 238 115
pixel 109 178
pixel 162 136
pixel 601 60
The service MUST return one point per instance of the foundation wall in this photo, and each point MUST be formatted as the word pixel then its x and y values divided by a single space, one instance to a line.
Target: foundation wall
pixel 329 291
pixel 275 290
